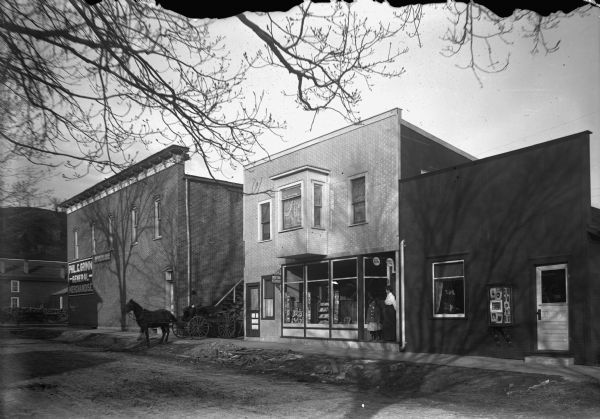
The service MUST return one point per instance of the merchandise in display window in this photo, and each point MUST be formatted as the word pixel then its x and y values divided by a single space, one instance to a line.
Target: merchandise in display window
pixel 293 301
pixel 344 284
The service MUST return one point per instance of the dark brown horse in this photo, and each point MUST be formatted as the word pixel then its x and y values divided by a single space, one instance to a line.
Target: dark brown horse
pixel 157 318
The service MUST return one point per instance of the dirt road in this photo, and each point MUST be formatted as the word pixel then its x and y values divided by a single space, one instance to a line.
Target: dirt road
pixel 48 379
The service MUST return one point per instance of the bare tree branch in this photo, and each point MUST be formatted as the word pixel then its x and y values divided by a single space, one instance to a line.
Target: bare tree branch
pixel 329 54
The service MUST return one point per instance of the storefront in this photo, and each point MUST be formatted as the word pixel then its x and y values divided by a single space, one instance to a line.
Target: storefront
pixel 328 299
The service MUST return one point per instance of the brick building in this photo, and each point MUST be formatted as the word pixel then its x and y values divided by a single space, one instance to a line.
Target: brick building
pixel 32 257
pixel 502 256
pixel 154 234
pixel 494 257
pixel 321 228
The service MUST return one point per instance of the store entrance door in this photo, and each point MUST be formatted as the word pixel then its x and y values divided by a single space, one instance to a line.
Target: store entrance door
pixel 252 310
pixel 552 308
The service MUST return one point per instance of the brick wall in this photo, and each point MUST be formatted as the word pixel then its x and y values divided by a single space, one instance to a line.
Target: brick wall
pixel 217 256
pixel 141 265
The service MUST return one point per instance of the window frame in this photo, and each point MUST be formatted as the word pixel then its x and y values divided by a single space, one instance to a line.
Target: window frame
pixel 134 225
pixel 351 203
pixel 15 299
pixel 110 231
pixel 157 219
pixel 260 220
pixel 93 237
pixel 75 243
pixel 321 185
pixel 464 281
pixel 332 279
pixel 281 200
pixel 263 286
pixel 14 289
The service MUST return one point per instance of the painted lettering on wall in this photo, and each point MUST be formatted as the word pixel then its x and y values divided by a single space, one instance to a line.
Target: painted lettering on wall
pixel 80 277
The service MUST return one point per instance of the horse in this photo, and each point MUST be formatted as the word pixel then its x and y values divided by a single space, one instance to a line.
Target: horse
pixel 145 319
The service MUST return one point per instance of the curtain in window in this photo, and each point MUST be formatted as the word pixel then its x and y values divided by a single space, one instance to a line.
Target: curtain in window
pixel 291 203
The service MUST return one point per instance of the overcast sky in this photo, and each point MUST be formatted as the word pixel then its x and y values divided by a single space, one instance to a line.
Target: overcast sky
pixel 539 97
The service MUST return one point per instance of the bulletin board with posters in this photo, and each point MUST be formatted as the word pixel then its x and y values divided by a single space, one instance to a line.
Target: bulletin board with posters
pixel 500 305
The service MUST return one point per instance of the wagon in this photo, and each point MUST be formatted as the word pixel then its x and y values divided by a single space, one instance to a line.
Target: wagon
pixel 198 322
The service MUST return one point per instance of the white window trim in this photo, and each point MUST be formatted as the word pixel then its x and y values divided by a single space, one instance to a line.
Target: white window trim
pixel 93 238
pixel 350 212
pixel 280 209
pixel 16 300
pixel 75 243
pixel 134 225
pixel 323 205
pixel 110 231
pixel 157 219
pixel 260 238
pixel 14 282
pixel 433 278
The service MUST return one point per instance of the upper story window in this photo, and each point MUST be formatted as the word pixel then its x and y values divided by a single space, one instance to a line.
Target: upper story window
pixel 134 225
pixel 449 289
pixel 264 232
pixel 75 244
pixel 358 200
pixel 93 231
pixel 291 207
pixel 110 231
pixel 157 217
pixel 318 205
pixel 14 286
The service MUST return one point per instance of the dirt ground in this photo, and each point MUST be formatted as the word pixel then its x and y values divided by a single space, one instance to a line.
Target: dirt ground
pixel 224 379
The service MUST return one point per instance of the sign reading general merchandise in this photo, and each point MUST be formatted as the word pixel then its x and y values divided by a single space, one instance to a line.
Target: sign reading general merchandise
pixel 80 277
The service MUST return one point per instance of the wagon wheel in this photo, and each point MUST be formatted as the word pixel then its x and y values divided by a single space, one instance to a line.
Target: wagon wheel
pixel 198 326
pixel 227 326
pixel 180 329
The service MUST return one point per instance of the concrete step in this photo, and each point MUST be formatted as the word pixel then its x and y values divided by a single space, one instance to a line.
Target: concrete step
pixel 559 361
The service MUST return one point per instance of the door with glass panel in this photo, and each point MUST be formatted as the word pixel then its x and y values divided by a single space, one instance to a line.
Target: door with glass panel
pixel 252 310
pixel 552 308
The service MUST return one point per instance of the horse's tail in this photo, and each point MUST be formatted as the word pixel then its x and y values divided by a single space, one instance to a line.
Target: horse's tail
pixel 172 318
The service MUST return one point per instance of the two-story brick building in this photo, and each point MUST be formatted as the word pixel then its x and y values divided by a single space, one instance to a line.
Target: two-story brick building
pixel 321 228
pixel 494 257
pixel 154 234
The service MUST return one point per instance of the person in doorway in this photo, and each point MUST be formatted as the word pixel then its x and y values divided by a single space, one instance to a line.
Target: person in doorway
pixel 389 316
pixel 373 318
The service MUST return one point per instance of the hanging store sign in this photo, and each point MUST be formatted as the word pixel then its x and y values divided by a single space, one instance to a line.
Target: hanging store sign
pixel 80 277
pixel 102 257
pixel 276 277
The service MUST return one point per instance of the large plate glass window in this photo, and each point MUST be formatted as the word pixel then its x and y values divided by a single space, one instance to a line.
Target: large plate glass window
pixel 344 292
pixel 291 206
pixel 317 294
pixel 293 295
pixel 449 289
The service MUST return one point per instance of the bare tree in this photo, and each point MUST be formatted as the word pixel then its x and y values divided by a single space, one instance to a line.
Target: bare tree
pixel 23 189
pixel 122 224
pixel 85 83
pixel 481 38
pixel 91 81
pixel 330 53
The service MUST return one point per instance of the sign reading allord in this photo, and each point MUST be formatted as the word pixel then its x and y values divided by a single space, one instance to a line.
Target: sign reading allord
pixel 80 277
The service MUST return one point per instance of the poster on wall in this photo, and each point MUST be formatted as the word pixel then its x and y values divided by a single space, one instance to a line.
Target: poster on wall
pixel 80 277
pixel 500 306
